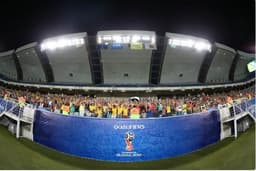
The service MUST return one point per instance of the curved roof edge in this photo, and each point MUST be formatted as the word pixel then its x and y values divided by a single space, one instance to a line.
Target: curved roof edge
pixel 27 46
pixel 170 35
pixel 93 88
pixel 241 53
pixel 222 46
pixel 7 53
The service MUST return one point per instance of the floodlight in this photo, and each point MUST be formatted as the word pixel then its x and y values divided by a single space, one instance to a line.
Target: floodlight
pixel 117 38
pixel 198 45
pixel 170 41
pixel 42 46
pixel 153 40
pixel 145 38
pixel 107 38
pixel 135 38
pixel 209 47
pixel 49 45
pixel 99 40
pixel 187 43
pixel 175 42
pixel 201 46
pixel 126 39
pixel 61 43
pixel 81 41
pixel 251 66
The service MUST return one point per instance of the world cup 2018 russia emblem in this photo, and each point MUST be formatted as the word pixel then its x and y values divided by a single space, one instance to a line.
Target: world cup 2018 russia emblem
pixel 129 137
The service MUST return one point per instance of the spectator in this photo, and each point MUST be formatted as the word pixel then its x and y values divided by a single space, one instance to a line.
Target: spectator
pixel 81 109
pixel 135 110
pixel 65 109
pixel 123 107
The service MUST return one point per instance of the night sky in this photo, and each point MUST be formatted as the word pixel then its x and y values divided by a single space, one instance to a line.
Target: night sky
pixel 230 22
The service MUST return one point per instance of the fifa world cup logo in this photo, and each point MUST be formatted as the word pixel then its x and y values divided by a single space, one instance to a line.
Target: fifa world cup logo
pixel 129 137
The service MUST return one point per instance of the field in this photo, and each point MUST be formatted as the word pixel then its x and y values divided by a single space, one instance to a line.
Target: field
pixel 228 154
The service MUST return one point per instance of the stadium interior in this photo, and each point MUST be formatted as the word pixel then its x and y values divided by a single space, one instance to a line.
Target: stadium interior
pixel 127 74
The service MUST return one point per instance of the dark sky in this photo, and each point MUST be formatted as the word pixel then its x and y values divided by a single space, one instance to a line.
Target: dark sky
pixel 230 22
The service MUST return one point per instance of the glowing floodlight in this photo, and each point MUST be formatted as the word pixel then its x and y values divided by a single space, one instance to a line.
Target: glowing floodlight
pixel 251 66
pixel 107 38
pixel 49 45
pixel 117 38
pixel 198 45
pixel 175 42
pixel 153 40
pixel 61 43
pixel 99 40
pixel 202 46
pixel 126 39
pixel 145 38
pixel 135 38
pixel 187 43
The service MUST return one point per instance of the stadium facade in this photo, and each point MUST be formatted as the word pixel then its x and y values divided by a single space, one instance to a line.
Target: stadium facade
pixel 124 58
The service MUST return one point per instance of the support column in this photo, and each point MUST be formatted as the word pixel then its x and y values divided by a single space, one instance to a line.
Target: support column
pixel 157 59
pixel 94 56
pixel 18 128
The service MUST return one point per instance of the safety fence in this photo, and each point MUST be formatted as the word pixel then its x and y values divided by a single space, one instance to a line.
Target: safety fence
pixel 239 107
pixel 12 106
pixel 236 118
pixel 244 106
pixel 251 105
pixel 20 117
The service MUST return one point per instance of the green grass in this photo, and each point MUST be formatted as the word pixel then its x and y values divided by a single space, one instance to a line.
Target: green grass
pixel 228 154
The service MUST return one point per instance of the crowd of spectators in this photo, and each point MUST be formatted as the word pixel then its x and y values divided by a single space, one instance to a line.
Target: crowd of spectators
pixel 125 107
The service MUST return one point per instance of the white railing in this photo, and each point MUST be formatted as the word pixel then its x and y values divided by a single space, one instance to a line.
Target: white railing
pixel 234 113
pixel 20 113
pixel 245 106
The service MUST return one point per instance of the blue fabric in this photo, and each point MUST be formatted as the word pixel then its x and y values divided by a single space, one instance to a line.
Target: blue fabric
pixel 149 114
pixel 5 106
pixel 251 106
pixel 106 139
pixel 2 105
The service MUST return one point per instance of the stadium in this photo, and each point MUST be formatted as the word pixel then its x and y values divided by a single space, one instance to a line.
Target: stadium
pixel 127 99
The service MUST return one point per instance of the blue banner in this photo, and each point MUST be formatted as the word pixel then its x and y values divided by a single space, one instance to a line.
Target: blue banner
pixel 125 139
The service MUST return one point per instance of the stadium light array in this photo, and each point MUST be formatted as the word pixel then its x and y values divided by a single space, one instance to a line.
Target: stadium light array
pixel 61 43
pixel 202 46
pixel 126 39
pixel 117 38
pixel 145 38
pixel 135 38
pixel 198 45
pixel 99 40
pixel 153 40
pixel 107 38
